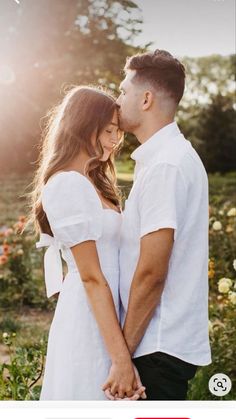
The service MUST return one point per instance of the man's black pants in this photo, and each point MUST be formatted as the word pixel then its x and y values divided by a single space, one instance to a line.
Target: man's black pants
pixel 164 376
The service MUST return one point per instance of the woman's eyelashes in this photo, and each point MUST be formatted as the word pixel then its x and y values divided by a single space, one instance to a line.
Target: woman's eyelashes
pixel 110 132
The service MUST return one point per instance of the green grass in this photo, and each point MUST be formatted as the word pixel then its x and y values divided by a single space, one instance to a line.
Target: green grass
pixel 125 167
pixel 222 188
pixel 27 323
pixel 12 200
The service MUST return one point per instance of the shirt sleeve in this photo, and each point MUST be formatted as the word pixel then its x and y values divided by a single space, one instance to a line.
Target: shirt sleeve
pixel 162 199
pixel 73 208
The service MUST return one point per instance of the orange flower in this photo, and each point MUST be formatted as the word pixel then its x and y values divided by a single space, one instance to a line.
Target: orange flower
pixel 19 226
pixel 22 218
pixel 6 249
pixel 211 264
pixel 8 232
pixel 211 274
pixel 3 259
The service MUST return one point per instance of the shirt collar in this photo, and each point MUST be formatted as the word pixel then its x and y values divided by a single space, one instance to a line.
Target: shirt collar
pixel 144 153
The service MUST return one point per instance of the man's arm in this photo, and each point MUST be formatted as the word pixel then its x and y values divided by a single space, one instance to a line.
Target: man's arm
pixel 148 284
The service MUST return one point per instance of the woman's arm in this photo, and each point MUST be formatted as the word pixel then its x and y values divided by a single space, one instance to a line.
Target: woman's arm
pixel 121 379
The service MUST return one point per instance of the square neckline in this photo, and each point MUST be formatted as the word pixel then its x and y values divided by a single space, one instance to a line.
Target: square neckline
pixel 85 177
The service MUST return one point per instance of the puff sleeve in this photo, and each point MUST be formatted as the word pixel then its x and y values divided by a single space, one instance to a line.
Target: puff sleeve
pixel 74 212
pixel 73 208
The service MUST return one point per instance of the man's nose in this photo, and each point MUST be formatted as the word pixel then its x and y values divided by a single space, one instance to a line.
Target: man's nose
pixel 118 101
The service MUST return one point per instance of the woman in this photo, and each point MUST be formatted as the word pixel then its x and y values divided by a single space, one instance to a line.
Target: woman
pixel 76 207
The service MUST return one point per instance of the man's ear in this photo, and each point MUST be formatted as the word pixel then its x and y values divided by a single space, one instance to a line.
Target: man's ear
pixel 147 100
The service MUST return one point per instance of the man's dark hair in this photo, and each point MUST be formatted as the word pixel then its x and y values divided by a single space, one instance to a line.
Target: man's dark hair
pixel 161 70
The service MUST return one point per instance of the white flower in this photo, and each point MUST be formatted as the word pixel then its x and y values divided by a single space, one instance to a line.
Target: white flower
pixel 5 335
pixel 224 285
pixel 232 212
pixel 232 297
pixel 217 226
pixel 234 264
pixel 221 212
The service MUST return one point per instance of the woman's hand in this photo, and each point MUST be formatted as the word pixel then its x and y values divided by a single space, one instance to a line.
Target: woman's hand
pixel 138 390
pixel 121 380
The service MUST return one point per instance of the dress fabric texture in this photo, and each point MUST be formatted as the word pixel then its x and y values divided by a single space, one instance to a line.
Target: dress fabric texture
pixel 77 362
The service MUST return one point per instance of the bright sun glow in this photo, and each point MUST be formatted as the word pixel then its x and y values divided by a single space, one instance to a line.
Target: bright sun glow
pixel 7 75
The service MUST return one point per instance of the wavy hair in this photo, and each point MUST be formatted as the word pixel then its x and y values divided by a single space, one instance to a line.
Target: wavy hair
pixel 84 111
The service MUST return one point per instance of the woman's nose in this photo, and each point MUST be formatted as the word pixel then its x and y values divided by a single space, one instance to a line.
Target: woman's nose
pixel 114 139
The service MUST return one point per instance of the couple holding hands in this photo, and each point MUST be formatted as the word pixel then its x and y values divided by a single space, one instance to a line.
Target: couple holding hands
pixel 131 320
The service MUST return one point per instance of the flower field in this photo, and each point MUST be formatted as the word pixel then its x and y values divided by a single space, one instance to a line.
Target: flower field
pixel 26 313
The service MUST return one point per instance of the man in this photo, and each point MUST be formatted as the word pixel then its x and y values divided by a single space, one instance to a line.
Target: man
pixel 164 240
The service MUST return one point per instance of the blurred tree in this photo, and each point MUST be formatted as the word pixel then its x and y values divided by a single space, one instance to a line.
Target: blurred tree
pixel 46 45
pixel 208 76
pixel 217 130
pixel 207 111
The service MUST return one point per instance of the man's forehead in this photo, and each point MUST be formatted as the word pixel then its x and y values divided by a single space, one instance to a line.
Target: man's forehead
pixel 114 121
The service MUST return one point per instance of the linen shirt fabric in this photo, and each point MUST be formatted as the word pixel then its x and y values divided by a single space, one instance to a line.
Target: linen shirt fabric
pixel 77 362
pixel 170 190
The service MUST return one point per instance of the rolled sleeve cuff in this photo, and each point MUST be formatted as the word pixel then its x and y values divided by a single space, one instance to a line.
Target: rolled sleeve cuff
pixel 158 226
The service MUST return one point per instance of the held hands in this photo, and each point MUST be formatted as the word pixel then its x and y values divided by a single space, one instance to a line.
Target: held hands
pixel 123 383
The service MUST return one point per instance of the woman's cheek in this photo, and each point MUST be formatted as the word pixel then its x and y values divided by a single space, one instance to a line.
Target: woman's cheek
pixel 105 156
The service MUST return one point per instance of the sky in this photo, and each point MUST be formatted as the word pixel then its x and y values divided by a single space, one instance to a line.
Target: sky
pixel 189 27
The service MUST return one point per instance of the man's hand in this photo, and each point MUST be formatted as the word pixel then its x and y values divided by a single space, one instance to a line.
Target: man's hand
pixel 121 380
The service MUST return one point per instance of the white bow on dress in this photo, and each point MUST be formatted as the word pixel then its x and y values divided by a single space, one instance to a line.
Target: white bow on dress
pixel 53 270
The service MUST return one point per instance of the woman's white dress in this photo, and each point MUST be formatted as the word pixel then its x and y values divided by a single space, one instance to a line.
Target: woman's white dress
pixel 77 362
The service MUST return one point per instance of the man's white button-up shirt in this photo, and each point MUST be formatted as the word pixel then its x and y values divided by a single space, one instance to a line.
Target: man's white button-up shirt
pixel 170 190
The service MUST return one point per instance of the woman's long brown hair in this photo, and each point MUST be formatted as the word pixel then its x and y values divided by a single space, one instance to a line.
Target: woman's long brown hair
pixel 83 112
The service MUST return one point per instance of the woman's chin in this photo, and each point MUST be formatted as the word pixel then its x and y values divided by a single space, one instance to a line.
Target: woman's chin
pixel 105 157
